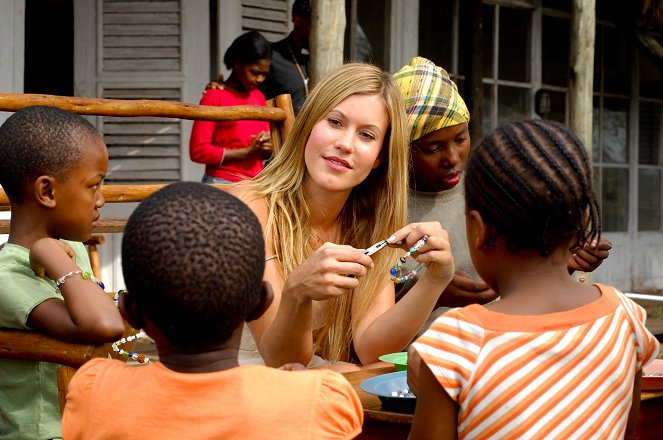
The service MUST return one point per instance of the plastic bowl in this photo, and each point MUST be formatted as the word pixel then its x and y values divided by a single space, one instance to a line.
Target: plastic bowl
pixel 385 385
pixel 398 359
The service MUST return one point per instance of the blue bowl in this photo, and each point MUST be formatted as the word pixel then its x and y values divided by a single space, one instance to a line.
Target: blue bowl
pixel 390 389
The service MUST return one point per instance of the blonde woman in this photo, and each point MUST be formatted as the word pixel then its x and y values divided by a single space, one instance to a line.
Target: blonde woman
pixel 339 185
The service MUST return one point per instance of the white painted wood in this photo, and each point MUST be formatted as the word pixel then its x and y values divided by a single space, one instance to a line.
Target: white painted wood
pixel 12 36
pixel 195 71
pixel 403 32
pixel 229 22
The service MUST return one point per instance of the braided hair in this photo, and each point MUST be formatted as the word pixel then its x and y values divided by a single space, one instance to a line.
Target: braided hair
pixel 193 259
pixel 532 182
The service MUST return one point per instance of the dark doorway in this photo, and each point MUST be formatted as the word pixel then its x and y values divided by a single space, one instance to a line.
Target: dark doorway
pixel 49 47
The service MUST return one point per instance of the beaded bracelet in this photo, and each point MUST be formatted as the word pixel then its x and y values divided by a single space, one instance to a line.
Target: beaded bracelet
pixel 140 358
pixel 395 271
pixel 86 276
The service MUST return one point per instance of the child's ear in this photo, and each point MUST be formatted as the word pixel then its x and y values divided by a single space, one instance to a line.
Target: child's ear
pixel 266 298
pixel 129 310
pixel 478 232
pixel 44 191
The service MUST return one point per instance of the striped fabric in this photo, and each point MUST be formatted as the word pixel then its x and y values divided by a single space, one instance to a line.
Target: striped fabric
pixel 431 98
pixel 562 375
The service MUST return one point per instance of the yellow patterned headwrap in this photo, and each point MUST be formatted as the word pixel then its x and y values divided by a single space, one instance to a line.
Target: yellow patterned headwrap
pixel 431 98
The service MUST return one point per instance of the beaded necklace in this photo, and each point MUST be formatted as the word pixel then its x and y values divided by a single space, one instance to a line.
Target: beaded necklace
pixel 140 358
pixel 396 274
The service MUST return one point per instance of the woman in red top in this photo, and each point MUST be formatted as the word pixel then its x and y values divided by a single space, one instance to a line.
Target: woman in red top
pixel 235 150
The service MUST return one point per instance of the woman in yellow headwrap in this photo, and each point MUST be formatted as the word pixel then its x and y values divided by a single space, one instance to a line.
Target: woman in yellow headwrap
pixel 439 147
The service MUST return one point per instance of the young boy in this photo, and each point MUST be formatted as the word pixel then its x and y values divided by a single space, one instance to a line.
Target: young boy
pixel 193 260
pixel 438 120
pixel 51 166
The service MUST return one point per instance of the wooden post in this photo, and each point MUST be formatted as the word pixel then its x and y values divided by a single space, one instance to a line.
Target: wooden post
pixel 581 80
pixel 327 34
pixel 473 93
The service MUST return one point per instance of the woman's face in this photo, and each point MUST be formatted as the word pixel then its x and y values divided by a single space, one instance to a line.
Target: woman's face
pixel 438 159
pixel 79 196
pixel 253 74
pixel 345 145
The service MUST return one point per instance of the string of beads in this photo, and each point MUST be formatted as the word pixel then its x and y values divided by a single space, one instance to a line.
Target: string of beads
pixel 396 272
pixel 85 275
pixel 140 358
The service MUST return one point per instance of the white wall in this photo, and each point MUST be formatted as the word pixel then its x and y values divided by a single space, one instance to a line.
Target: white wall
pixel 12 36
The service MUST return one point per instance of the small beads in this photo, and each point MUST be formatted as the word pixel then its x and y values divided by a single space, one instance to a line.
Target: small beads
pixel 395 271
pixel 140 358
pixel 84 275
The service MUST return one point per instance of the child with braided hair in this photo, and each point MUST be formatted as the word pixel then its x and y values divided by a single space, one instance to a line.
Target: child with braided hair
pixel 554 358
pixel 193 259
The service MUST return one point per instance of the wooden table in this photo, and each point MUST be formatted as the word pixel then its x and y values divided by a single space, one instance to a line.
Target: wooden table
pixel 378 422
pixel 387 424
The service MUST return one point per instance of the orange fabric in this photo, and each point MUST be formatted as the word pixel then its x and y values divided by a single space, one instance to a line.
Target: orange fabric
pixel 561 375
pixel 108 399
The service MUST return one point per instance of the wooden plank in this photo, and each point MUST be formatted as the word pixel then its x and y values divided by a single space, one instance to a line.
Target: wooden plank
pixel 142 164
pixel 137 29
pixel 145 139
pixel 162 6
pixel 260 25
pixel 171 94
pixel 141 107
pixel 144 176
pixel 120 193
pixel 144 151
pixel 279 5
pixel 137 18
pixel 37 346
pixel 265 14
pixel 141 128
pixel 139 65
pixel 142 41
pixel 141 52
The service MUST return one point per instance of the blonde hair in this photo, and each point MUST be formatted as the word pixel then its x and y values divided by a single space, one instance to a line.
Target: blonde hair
pixel 374 210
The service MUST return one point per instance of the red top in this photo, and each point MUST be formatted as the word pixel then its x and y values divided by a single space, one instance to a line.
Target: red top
pixel 210 139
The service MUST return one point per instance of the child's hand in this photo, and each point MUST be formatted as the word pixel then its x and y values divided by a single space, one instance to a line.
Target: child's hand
pixel 590 256
pixel 261 144
pixel 435 254
pixel 47 254
pixel 330 271
pixel 295 366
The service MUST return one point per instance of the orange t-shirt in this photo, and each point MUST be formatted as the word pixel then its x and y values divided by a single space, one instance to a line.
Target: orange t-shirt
pixel 561 375
pixel 108 399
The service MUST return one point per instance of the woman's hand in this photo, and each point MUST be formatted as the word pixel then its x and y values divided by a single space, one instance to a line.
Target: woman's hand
pixel 435 254
pixel 330 271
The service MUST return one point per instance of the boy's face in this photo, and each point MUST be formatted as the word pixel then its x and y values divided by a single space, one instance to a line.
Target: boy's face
pixel 78 197
pixel 438 159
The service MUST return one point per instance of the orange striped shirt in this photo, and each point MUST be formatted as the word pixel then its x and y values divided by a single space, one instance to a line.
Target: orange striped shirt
pixel 560 375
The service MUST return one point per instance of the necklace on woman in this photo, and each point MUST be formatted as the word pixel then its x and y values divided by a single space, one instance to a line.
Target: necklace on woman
pixel 299 68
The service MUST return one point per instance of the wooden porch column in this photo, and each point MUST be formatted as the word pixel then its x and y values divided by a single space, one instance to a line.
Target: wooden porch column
pixel 327 35
pixel 581 79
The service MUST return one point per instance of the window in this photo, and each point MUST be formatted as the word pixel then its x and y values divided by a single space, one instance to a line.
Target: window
pixel 650 147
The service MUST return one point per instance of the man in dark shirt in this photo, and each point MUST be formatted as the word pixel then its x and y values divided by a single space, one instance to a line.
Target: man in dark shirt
pixel 289 69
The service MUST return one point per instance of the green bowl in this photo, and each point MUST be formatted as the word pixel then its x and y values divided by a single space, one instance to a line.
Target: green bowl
pixel 398 359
